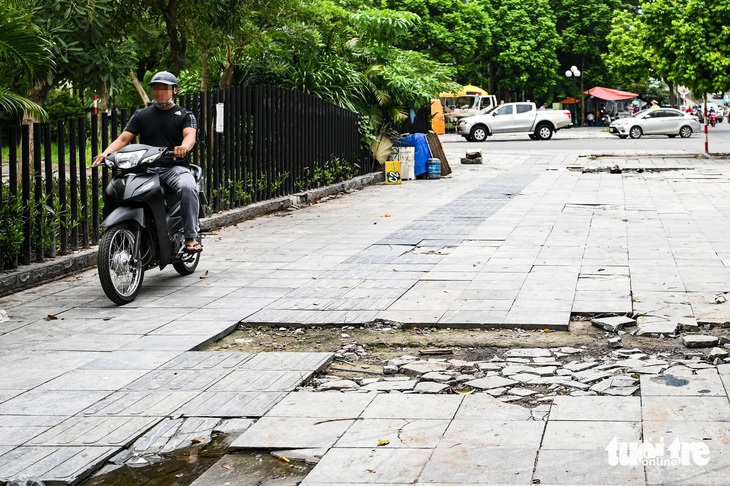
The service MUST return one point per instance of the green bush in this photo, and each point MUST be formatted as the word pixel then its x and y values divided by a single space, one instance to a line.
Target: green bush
pixel 61 104
pixel 11 231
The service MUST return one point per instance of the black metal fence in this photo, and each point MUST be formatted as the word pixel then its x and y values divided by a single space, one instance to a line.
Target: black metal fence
pixel 254 143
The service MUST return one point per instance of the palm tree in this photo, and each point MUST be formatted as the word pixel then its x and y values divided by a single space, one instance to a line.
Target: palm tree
pixel 23 58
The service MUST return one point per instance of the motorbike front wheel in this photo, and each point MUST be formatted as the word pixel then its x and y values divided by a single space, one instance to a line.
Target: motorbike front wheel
pixel 120 264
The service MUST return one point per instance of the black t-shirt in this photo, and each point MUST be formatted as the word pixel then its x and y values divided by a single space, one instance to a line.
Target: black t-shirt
pixel 161 128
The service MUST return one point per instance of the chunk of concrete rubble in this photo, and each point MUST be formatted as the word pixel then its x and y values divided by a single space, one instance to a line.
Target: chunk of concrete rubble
pixel 521 392
pixel 437 377
pixel 495 392
pixel 491 382
pixel 719 353
pixel 540 413
pixel 657 328
pixel 527 353
pixel 536 370
pixel 576 366
pixel 615 342
pixel 508 398
pixel 570 350
pixel 391 385
pixel 699 340
pixel 339 385
pixel 524 377
pixel 491 366
pixel 308 456
pixel 613 324
pixel 589 376
pixel 403 360
pixel 390 369
pixel 418 368
pixel 429 387
pixel 583 393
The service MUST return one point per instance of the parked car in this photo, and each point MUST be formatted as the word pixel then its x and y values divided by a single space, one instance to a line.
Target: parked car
pixel 514 118
pixel 659 121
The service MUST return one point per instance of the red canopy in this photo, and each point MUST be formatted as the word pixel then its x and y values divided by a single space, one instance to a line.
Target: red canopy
pixel 610 94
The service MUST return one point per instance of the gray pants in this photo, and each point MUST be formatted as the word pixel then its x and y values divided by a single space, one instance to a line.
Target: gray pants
pixel 180 178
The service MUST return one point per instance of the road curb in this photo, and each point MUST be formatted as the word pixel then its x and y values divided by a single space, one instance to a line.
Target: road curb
pixel 35 274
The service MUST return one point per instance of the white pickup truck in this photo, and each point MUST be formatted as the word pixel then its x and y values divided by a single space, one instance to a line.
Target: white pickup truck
pixel 514 118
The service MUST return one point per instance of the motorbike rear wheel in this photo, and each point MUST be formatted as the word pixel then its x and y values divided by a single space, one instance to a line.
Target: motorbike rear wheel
pixel 120 268
pixel 188 264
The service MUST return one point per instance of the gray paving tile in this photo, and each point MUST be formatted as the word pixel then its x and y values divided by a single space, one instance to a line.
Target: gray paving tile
pixel 208 360
pixel 683 381
pixel 482 434
pixel 715 435
pixel 254 380
pixel 712 473
pixel 93 380
pixel 413 406
pixel 684 408
pixel 53 465
pixel 369 466
pixel 481 406
pixel 484 466
pixel 584 467
pixel 230 404
pixel 291 433
pixel 593 435
pixel 322 405
pixel 623 409
pixel 166 343
pixel 180 380
pixel 399 433
pixel 131 360
pixel 146 403
pixel 58 402
pixel 17 378
pixel 95 431
pixel 91 342
pixel 287 361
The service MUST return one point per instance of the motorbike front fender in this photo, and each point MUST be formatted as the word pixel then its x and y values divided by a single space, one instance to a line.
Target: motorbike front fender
pixel 122 214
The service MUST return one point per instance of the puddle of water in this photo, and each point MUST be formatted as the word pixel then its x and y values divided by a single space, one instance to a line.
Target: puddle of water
pixel 671 380
pixel 206 466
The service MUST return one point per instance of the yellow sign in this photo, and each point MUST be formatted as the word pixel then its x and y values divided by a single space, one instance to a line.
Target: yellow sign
pixel 392 172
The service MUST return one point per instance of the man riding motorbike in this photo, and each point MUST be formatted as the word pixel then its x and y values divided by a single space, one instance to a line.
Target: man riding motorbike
pixel 165 124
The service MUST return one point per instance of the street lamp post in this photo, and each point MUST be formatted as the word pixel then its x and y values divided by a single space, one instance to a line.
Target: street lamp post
pixel 574 72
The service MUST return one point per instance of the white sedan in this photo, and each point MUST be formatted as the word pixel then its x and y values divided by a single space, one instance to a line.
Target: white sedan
pixel 660 121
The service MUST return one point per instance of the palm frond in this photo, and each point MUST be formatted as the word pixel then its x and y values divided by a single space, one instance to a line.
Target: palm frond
pixel 13 103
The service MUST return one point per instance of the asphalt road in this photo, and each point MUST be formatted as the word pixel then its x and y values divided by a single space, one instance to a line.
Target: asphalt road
pixel 600 140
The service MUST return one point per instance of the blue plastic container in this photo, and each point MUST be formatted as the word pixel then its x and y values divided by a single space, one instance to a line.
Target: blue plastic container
pixel 433 169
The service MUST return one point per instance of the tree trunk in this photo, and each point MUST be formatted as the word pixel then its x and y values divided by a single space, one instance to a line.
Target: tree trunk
pixel 138 87
pixel 231 58
pixel 204 70
pixel 490 75
pixel 672 94
pixel 38 95
pixel 178 44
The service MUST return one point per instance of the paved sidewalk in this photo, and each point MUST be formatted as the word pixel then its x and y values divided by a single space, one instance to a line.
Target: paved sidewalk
pixel 523 240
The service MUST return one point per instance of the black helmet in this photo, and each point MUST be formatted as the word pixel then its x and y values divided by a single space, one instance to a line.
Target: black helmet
pixel 164 77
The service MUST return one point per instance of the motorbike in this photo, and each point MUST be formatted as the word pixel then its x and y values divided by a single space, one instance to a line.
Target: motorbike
pixel 143 222
pixel 712 118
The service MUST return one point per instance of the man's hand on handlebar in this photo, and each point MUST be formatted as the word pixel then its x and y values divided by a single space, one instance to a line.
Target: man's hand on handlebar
pixel 98 160
pixel 179 152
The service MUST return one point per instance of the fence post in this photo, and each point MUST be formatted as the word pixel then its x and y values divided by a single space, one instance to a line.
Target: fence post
pixel 25 176
pixel 94 179
pixel 74 185
pixel 63 216
pixel 50 193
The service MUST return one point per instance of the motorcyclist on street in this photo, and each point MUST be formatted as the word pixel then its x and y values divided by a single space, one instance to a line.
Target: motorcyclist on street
pixel 165 124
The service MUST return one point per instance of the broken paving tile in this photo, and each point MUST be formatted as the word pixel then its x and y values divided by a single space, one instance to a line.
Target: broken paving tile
pixel 613 324
pixel 429 387
pixel 527 353
pixel 699 340
pixel 490 382
pixel 657 328
pixel 576 366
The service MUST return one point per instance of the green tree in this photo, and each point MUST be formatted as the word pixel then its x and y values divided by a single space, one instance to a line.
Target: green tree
pixel 524 48
pixel 452 32
pixel 629 58
pixel 24 57
pixel 690 38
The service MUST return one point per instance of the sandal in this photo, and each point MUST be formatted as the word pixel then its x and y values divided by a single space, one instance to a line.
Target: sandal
pixel 193 247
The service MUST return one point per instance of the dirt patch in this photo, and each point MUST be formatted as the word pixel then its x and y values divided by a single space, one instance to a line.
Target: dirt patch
pixel 380 343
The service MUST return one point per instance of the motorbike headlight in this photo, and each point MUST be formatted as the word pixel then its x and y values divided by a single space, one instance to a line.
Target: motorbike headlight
pixel 127 160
